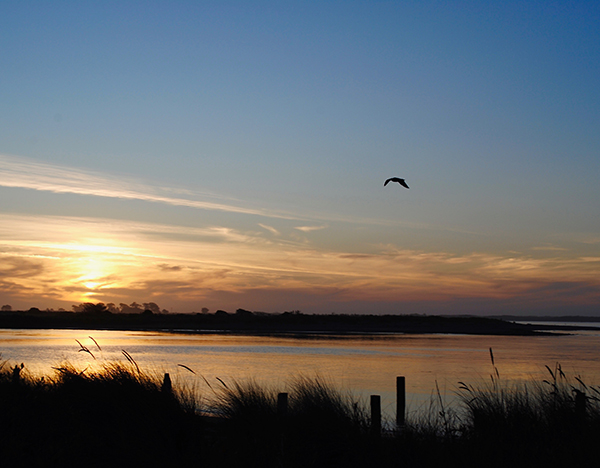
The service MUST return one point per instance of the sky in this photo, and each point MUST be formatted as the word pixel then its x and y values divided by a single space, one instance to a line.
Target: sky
pixel 225 154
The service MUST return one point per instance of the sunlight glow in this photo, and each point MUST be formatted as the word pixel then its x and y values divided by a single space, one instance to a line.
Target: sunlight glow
pixel 135 261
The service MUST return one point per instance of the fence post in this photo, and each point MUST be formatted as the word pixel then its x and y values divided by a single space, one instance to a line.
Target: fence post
pixel 16 372
pixel 166 387
pixel 282 404
pixel 376 415
pixel 400 401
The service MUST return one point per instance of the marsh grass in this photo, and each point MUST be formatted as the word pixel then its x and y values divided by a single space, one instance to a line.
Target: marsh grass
pixel 314 399
pixel 318 398
pixel 112 415
pixel 329 427
pixel 245 401
pixel 549 407
pixel 553 421
pixel 550 422
pixel 115 414
pixel 321 426
pixel 435 419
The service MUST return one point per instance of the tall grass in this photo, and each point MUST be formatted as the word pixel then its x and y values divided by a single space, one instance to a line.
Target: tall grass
pixel 550 422
pixel 116 414
pixel 558 405
pixel 321 427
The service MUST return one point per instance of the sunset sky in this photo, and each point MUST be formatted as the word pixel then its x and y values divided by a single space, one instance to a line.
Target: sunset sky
pixel 228 155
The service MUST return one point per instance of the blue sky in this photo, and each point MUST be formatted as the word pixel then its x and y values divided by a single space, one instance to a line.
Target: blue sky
pixel 232 154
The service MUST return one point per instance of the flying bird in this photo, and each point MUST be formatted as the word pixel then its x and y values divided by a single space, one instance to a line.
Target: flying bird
pixel 396 179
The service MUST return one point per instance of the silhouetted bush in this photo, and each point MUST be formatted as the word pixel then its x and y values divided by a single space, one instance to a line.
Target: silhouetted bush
pixel 243 312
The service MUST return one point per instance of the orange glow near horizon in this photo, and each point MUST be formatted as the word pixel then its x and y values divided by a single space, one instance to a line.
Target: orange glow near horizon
pixel 68 261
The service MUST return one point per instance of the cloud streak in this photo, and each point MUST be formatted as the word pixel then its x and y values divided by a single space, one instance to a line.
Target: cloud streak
pixel 309 228
pixel 27 173
pixel 34 175
pixel 271 229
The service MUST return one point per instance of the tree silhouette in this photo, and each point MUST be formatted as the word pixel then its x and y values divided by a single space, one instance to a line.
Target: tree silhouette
pixel 100 308
pixel 153 307
pixel 91 308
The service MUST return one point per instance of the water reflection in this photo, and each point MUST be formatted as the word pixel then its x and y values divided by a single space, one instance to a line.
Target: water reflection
pixel 364 366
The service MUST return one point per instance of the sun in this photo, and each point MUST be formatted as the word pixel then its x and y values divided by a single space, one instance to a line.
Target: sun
pixel 93 275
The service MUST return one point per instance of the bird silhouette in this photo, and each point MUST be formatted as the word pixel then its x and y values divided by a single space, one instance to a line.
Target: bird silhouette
pixel 396 179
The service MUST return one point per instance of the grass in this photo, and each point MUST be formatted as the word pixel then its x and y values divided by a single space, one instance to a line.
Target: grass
pixel 115 414
pixel 553 422
pixel 118 415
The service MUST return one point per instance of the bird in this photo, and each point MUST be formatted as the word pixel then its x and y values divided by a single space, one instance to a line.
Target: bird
pixel 396 179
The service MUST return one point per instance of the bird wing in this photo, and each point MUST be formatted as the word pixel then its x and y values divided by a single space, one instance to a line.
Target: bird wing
pixel 403 183
pixel 386 182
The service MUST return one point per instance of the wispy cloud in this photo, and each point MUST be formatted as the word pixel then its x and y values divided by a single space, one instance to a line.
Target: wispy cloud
pixel 549 248
pixel 167 267
pixel 309 228
pixel 27 173
pixel 35 175
pixel 271 229
pixel 590 259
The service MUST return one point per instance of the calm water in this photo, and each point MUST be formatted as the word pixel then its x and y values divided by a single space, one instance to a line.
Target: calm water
pixel 363 365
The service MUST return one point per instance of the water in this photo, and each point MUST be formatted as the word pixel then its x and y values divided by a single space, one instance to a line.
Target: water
pixel 363 365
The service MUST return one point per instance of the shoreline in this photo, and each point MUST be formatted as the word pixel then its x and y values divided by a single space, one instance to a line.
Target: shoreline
pixel 293 324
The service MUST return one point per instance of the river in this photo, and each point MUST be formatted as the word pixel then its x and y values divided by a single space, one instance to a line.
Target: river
pixel 362 365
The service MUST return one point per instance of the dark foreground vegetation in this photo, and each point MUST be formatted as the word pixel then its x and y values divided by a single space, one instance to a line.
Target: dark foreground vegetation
pixel 121 416
pixel 243 321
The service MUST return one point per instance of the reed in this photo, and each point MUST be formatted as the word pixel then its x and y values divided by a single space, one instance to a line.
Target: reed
pixel 245 401
pixel 316 401
pixel 516 409
pixel 553 421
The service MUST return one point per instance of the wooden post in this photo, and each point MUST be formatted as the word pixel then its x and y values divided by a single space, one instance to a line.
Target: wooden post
pixel 282 404
pixel 376 415
pixel 16 372
pixel 400 401
pixel 166 387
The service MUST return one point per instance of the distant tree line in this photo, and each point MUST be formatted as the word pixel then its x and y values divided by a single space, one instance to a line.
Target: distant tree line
pixel 148 308
pixel 122 308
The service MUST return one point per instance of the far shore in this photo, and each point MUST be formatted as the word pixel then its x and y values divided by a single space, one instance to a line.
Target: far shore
pixel 299 324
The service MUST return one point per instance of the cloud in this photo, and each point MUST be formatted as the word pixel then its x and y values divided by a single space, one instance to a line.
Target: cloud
pixel 271 229
pixel 309 228
pixel 35 175
pixel 166 267
pixel 588 239
pixel 27 173
pixel 17 266
pixel 550 248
